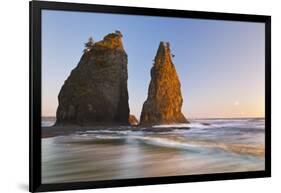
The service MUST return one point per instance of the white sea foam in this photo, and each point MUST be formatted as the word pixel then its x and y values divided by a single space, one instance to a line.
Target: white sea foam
pixel 121 132
pixel 107 137
pixel 165 142
pixel 184 125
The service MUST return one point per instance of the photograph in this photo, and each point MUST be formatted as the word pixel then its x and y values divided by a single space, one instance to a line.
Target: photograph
pixel 137 96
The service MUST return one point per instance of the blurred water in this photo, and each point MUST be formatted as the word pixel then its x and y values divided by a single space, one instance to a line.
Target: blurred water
pixel 48 121
pixel 209 146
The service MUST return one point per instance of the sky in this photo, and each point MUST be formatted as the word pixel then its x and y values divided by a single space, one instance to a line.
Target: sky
pixel 221 64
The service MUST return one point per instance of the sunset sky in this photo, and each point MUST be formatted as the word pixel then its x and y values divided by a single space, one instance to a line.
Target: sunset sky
pixel 220 63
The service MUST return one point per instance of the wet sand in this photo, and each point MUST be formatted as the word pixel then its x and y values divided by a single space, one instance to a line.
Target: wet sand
pixel 113 159
pixel 91 154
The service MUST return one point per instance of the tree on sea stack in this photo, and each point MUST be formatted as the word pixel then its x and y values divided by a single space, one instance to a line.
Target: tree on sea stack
pixel 119 33
pixel 89 45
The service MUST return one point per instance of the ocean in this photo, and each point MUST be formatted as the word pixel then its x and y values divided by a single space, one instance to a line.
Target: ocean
pixel 209 146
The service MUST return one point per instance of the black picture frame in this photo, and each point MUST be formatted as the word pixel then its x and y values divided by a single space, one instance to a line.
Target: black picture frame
pixel 36 7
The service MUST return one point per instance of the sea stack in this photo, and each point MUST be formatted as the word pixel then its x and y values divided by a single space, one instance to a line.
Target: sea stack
pixel 95 93
pixel 164 101
pixel 133 121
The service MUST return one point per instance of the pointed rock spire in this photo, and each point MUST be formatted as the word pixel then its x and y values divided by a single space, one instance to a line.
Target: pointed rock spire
pixel 164 101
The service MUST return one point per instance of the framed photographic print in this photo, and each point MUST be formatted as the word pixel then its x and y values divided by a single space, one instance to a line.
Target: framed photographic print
pixel 125 96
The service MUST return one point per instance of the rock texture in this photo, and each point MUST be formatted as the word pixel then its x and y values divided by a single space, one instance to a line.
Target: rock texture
pixel 96 90
pixel 133 120
pixel 164 101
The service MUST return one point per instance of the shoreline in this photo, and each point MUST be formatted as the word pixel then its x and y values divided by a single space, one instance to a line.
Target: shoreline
pixel 53 131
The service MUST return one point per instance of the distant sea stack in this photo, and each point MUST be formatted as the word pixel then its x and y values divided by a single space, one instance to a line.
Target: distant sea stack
pixel 96 90
pixel 133 120
pixel 164 102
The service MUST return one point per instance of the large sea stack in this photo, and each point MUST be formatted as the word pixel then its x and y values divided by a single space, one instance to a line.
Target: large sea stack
pixel 164 101
pixel 96 91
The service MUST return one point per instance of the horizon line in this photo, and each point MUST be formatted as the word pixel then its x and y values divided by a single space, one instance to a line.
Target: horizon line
pixel 247 117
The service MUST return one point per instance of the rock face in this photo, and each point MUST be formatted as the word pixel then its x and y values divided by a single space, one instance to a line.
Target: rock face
pixel 96 90
pixel 164 101
pixel 133 120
